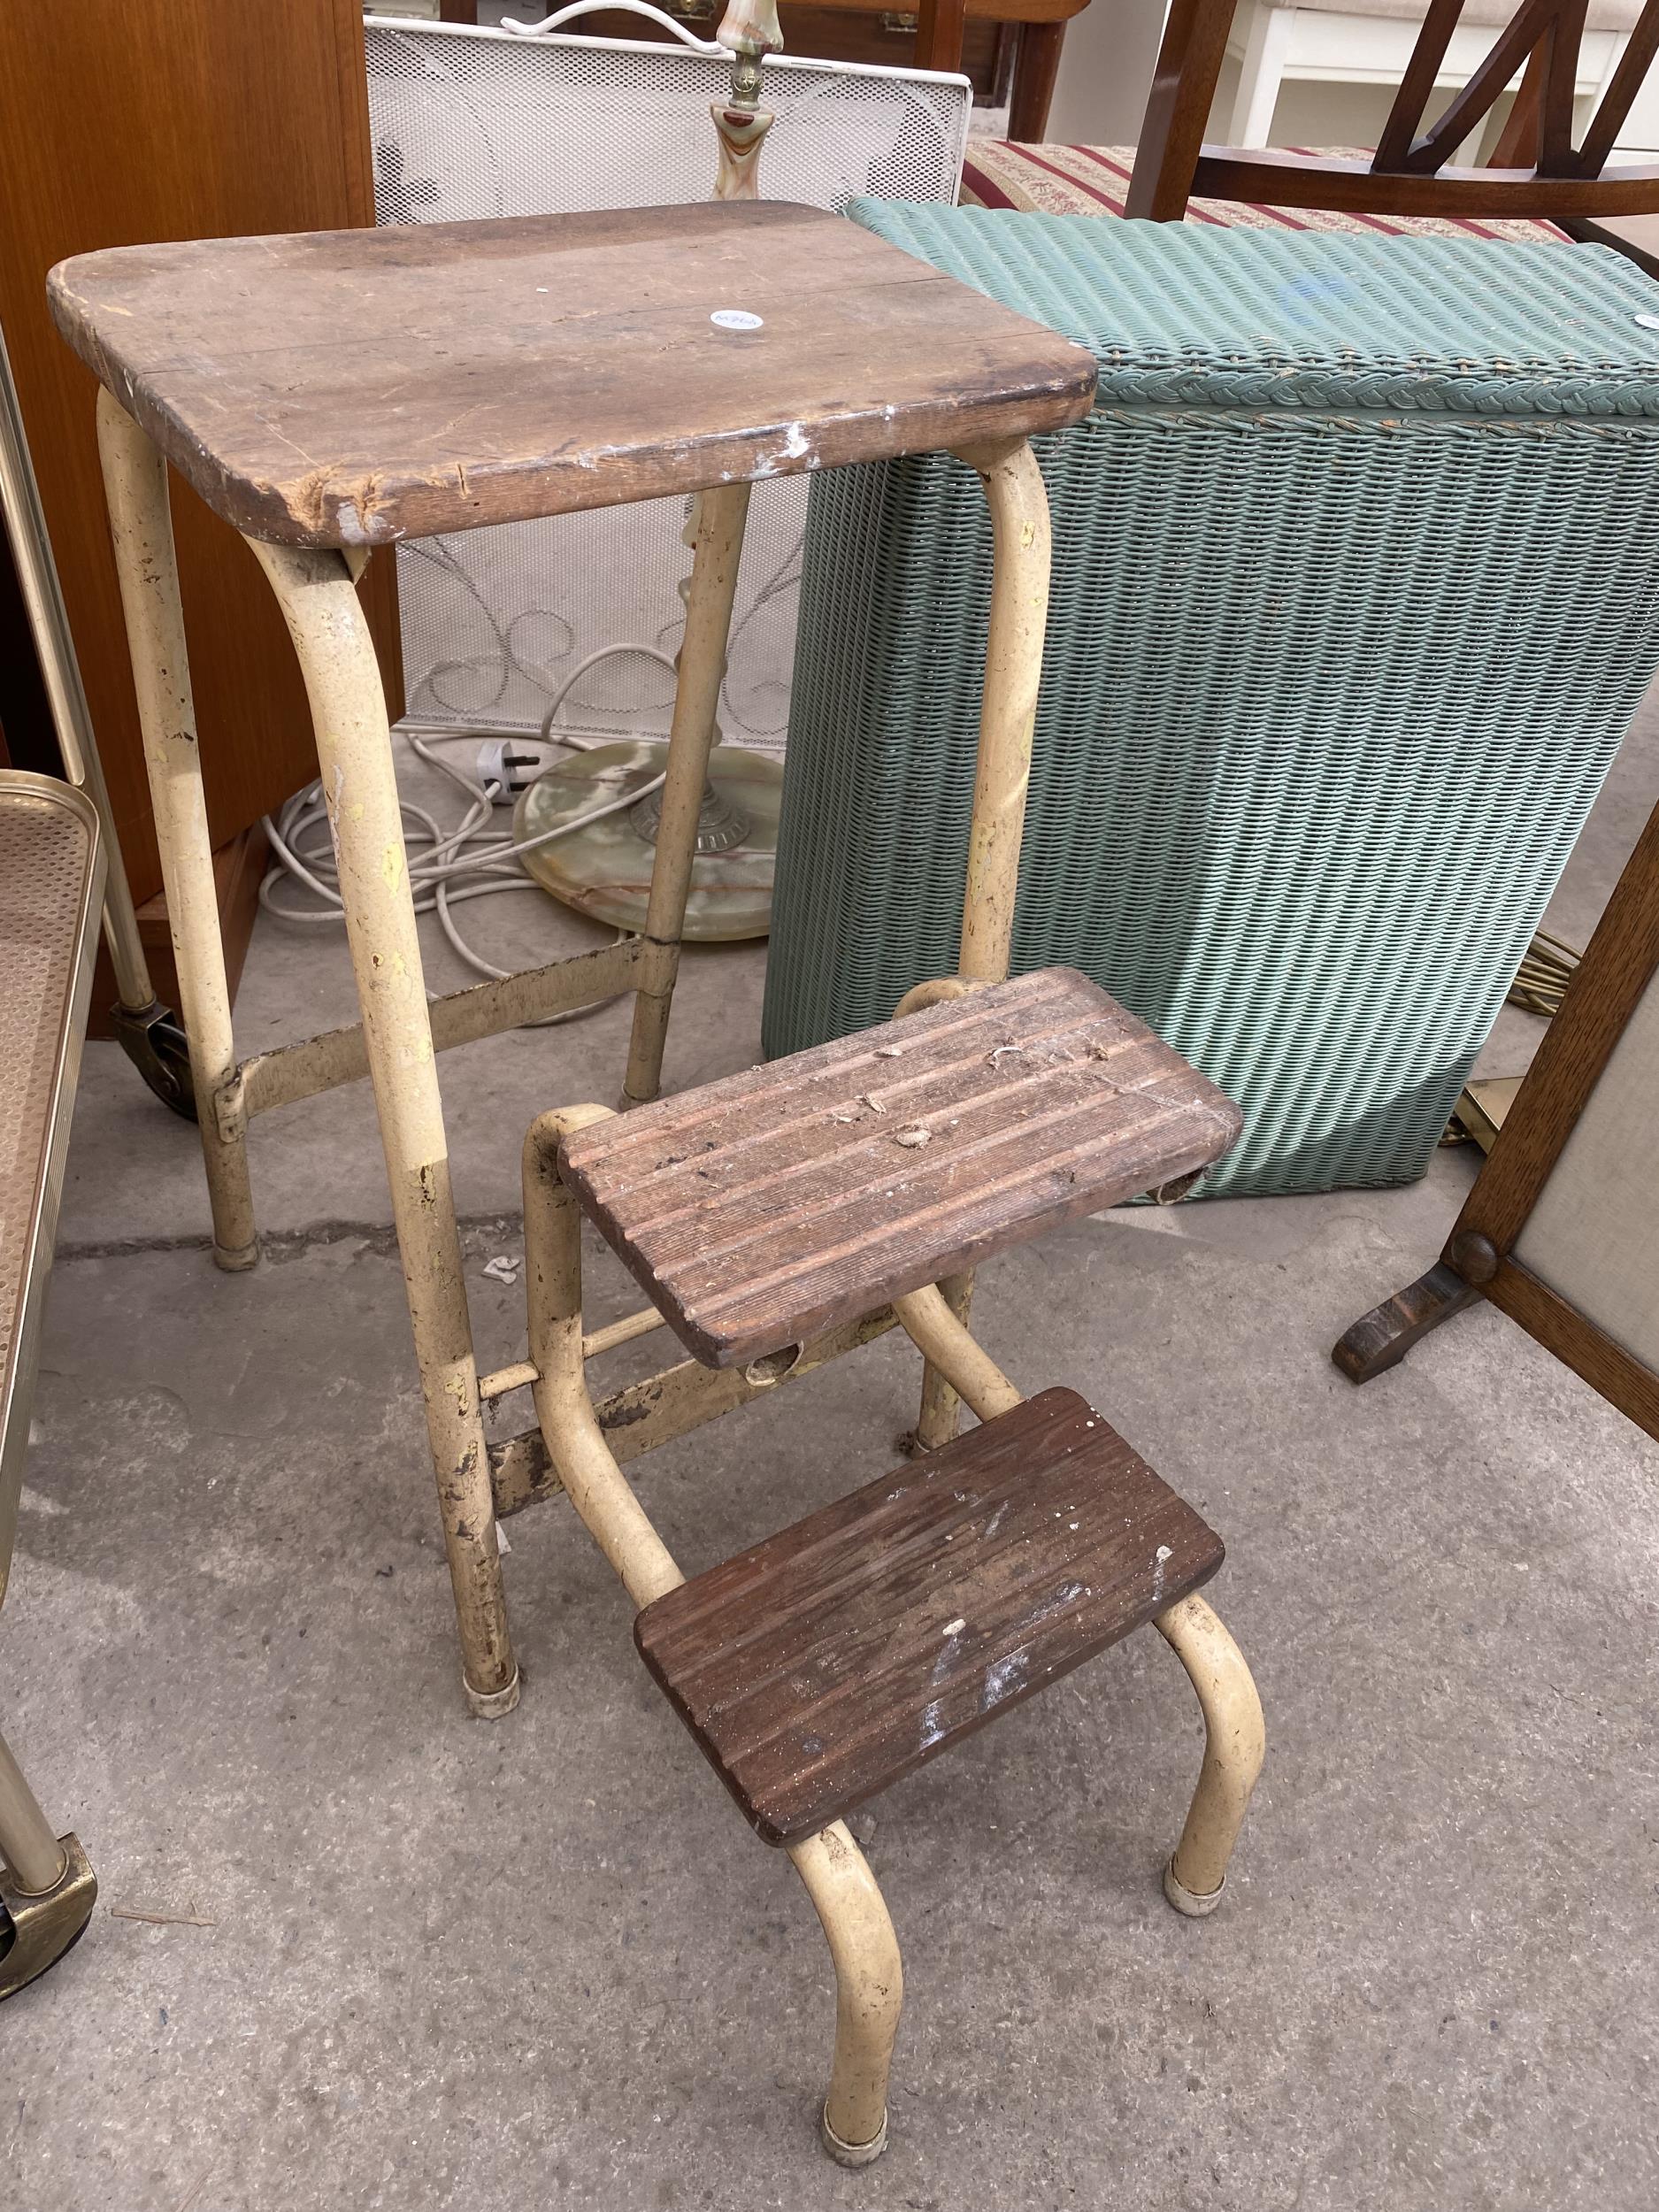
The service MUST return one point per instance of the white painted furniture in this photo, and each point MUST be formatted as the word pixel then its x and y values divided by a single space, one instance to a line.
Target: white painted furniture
pixel 1370 41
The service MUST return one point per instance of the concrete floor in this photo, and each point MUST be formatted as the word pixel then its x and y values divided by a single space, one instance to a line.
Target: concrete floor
pixel 357 1949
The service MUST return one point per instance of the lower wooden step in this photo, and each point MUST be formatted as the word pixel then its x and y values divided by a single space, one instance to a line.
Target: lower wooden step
pixel 821 1665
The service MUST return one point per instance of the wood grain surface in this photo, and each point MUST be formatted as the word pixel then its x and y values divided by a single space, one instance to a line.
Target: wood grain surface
pixel 352 388
pixel 1604 1363
pixel 1619 962
pixel 821 1665
pixel 790 1198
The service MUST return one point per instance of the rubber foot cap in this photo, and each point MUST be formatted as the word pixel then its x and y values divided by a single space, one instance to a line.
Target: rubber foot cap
pixel 1188 1901
pixel 236 1260
pixel 491 1704
pixel 851 2153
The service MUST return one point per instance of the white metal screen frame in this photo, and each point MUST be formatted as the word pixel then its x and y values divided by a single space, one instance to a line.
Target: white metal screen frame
pixel 492 632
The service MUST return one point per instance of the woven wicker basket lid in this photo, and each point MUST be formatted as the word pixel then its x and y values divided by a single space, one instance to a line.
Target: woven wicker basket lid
pixel 1182 315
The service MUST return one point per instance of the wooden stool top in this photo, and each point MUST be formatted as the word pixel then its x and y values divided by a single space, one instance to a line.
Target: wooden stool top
pixel 820 1667
pixel 351 387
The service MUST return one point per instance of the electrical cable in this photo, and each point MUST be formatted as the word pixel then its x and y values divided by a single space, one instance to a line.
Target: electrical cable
pixel 447 867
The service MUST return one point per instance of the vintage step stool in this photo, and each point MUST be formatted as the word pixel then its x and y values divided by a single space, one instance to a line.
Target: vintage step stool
pixel 838 1187
pixel 334 392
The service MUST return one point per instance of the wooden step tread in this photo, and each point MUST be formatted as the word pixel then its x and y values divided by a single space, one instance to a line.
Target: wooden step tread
pixel 789 1199
pixel 821 1665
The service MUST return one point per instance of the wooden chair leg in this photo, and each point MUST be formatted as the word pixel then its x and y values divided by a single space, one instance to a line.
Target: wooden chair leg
pixel 1234 1741
pixel 1036 66
pixel 940 30
pixel 1380 1339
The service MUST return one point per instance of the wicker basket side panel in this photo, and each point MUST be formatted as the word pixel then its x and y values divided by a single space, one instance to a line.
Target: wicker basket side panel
pixel 1326 700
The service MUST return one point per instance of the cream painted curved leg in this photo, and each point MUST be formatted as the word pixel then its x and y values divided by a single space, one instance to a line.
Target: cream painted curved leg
pixel 1234 1742
pixel 140 523
pixel 1020 541
pixel 869 1981
pixel 1234 1736
pixel 1021 545
pixel 716 554
pixel 869 1992
pixel 319 602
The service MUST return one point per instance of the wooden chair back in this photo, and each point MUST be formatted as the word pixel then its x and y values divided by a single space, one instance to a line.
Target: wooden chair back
pixel 1536 171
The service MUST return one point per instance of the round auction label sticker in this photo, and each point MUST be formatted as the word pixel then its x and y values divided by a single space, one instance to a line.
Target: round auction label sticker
pixel 735 319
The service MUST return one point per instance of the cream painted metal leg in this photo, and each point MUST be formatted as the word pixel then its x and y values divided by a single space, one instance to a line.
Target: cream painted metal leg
pixel 136 483
pixel 942 1406
pixel 1008 716
pixel 869 1992
pixel 1021 543
pixel 1234 1743
pixel 718 550
pixel 1234 1737
pixel 342 680
pixel 928 1319
pixel 869 1979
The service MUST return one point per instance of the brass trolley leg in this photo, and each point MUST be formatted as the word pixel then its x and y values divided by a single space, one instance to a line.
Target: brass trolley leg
pixel 721 516
pixel 342 680
pixel 869 1980
pixel 27 1842
pixel 47 1889
pixel 1013 669
pixel 136 484
pixel 1234 1743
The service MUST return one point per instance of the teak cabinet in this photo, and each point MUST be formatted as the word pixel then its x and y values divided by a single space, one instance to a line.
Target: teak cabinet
pixel 123 122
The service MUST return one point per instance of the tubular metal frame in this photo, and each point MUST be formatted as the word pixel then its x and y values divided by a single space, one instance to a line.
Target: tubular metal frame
pixel 401 1033
pixel 869 1973
pixel 579 1457
pixel 397 1043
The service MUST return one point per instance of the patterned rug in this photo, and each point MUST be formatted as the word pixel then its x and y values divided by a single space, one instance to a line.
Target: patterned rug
pixel 1093 180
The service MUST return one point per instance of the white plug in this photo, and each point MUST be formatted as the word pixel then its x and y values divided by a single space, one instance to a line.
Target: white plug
pixel 508 764
pixel 491 766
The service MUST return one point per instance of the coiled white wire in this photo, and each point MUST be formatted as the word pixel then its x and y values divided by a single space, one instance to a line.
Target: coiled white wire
pixel 446 866
pixel 471 860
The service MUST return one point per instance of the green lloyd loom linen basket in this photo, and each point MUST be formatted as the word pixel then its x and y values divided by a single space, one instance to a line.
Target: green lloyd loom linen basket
pixel 1355 594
